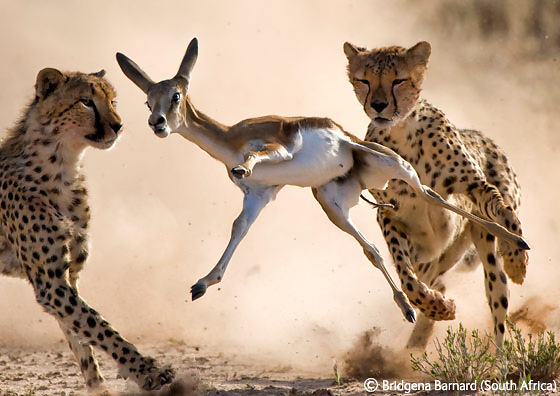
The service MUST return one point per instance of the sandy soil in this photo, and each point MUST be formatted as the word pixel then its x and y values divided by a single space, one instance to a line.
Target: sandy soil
pixel 53 372
pixel 298 294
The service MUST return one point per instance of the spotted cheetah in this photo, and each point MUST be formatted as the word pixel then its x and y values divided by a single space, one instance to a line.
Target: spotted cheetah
pixel 462 165
pixel 44 214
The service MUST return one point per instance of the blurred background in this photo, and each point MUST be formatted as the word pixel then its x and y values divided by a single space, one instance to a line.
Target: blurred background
pixel 298 291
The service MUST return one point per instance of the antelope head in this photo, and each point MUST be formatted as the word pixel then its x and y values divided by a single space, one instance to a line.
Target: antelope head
pixel 166 99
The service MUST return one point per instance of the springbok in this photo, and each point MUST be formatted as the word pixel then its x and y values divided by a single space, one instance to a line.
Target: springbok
pixel 264 154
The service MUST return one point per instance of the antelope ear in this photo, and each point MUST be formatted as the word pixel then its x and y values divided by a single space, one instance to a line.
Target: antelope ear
pixel 189 60
pixel 351 50
pixel 419 54
pixel 134 72
pixel 48 80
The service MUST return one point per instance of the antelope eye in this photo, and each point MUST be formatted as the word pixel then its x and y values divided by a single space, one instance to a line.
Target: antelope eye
pixel 399 81
pixel 148 105
pixel 176 97
pixel 87 102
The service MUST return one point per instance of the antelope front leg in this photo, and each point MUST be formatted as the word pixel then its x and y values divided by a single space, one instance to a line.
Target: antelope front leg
pixel 272 153
pixel 253 203
pixel 336 199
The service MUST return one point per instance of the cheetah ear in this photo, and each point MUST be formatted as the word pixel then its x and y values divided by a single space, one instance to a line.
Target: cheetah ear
pixel 419 54
pixel 101 73
pixel 351 50
pixel 48 80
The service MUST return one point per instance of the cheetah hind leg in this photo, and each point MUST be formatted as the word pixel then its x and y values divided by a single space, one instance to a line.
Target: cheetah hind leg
pixel 495 281
pixel 515 261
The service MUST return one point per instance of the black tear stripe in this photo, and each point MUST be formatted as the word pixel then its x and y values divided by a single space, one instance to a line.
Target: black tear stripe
pixel 367 95
pixel 394 99
pixel 99 133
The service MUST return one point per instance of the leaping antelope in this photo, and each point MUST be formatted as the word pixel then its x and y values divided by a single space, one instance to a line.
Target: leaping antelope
pixel 264 154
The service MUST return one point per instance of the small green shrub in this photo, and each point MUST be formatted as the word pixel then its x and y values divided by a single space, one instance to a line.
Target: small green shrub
pixel 539 360
pixel 463 359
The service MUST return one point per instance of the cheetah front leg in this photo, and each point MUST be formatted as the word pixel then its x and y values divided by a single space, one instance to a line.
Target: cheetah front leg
pixel 489 202
pixel 495 279
pixel 79 242
pixel 424 328
pixel 47 269
pixel 430 302
pixel 84 354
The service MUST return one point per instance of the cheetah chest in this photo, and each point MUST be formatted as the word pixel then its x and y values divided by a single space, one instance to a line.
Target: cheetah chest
pixel 430 229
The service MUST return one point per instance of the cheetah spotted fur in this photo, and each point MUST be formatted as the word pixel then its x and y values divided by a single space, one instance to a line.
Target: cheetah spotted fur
pixel 44 214
pixel 464 166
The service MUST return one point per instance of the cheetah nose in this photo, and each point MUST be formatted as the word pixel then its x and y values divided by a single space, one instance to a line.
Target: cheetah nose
pixel 378 105
pixel 116 127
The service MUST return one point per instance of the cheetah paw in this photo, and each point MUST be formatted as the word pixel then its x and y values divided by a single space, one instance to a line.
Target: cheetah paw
pixel 158 378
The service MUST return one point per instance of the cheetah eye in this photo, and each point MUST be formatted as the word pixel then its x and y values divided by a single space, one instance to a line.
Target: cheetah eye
pixel 176 97
pixel 87 102
pixel 114 102
pixel 148 105
pixel 366 82
pixel 399 81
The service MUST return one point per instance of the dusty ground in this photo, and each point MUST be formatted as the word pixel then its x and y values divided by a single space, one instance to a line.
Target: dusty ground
pixel 53 372
pixel 279 320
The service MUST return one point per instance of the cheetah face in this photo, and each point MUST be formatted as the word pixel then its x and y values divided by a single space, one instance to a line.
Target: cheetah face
pixel 387 81
pixel 81 107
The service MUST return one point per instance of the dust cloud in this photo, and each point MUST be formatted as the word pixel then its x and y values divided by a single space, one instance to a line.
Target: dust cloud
pixel 298 292
pixel 369 359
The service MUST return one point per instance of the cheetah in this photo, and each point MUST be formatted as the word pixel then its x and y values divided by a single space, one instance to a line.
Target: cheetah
pixel 44 214
pixel 462 165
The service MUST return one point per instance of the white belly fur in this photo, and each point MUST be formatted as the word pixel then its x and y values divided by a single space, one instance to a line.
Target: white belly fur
pixel 323 156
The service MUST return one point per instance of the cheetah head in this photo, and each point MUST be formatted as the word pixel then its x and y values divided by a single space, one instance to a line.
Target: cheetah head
pixel 79 107
pixel 166 99
pixel 387 81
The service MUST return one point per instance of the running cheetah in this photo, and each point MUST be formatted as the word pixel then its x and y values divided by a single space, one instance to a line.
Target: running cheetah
pixel 44 214
pixel 463 166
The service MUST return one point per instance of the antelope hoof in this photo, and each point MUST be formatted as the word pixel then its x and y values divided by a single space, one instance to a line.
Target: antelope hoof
pixel 410 315
pixel 522 244
pixel 407 310
pixel 198 290
pixel 240 172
